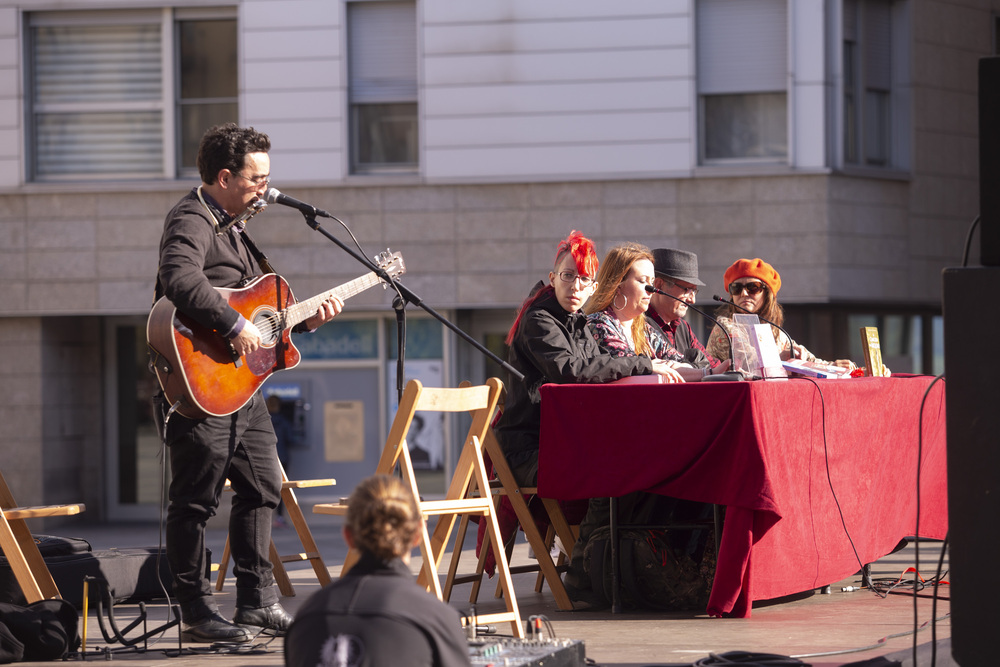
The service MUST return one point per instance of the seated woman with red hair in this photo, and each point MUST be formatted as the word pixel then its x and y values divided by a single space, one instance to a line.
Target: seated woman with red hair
pixel 551 341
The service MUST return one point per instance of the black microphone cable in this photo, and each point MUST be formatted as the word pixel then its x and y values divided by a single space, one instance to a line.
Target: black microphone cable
pixel 916 534
pixel 730 302
pixel 829 476
pixel 968 242
pixel 732 373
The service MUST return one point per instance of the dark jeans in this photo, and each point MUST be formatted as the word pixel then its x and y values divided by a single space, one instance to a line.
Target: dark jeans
pixel 203 454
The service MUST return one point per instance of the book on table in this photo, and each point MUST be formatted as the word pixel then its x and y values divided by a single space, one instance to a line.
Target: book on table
pixel 873 352
pixel 815 369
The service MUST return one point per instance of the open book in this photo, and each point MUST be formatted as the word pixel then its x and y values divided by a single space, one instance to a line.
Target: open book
pixel 815 370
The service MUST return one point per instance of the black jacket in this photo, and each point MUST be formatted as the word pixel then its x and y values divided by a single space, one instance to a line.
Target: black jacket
pixel 552 345
pixel 379 616
pixel 194 259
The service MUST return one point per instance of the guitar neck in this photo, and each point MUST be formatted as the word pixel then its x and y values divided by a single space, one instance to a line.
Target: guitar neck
pixel 303 310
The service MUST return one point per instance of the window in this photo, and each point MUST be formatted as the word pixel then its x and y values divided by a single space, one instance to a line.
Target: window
pixel 101 103
pixel 207 92
pixel 867 82
pixel 382 67
pixel 742 80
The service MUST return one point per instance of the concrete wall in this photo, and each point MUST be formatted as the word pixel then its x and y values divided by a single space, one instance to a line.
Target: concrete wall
pixel 53 449
pixel 834 238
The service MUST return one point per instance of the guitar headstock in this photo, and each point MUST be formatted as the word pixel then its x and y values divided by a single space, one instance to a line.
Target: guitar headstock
pixel 391 263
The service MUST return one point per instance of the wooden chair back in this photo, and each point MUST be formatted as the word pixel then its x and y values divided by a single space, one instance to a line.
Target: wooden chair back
pixel 470 471
pixel 19 546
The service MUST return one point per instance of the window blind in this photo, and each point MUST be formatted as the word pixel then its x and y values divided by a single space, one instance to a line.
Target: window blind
pixel 877 44
pixel 95 64
pixel 382 48
pixel 742 46
pixel 97 100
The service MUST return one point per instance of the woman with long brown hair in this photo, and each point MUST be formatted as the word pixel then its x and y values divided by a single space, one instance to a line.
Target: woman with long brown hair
pixel 617 310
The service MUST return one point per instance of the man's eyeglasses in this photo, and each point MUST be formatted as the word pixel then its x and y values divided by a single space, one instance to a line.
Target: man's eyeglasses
pixel 572 276
pixel 257 181
pixel 752 288
pixel 693 291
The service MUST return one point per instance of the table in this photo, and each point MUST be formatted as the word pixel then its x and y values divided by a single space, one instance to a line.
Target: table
pixel 759 449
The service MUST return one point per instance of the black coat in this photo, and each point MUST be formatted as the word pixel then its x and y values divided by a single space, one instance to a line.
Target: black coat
pixel 552 345
pixel 194 260
pixel 381 617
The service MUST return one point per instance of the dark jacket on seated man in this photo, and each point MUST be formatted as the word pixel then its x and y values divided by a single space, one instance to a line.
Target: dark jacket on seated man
pixel 378 616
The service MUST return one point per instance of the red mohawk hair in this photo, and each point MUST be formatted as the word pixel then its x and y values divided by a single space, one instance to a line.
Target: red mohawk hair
pixel 582 250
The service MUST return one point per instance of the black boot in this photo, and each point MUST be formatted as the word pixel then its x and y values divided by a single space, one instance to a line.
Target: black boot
pixel 271 620
pixel 213 628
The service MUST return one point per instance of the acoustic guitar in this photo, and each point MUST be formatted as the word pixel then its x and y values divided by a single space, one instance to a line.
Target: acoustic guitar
pixel 200 368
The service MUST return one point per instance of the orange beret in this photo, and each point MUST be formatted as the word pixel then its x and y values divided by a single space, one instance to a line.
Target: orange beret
pixel 753 268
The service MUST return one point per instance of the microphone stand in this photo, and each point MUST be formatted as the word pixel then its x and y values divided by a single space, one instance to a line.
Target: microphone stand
pixel 791 341
pixel 403 296
pixel 730 375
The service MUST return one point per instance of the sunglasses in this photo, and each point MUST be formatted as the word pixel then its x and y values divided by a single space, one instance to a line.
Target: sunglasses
pixel 752 288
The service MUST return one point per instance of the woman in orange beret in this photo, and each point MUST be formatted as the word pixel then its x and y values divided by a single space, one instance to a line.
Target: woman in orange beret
pixel 753 285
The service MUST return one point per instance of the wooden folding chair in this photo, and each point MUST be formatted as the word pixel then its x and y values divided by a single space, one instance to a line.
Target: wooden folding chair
pixel 19 546
pixel 504 485
pixel 311 551
pixel 470 471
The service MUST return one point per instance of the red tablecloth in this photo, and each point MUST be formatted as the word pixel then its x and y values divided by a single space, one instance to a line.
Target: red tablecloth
pixel 759 448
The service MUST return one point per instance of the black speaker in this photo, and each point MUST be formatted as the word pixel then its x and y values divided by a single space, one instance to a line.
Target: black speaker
pixel 973 406
pixel 989 160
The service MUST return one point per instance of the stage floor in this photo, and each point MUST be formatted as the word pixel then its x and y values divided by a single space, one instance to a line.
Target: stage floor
pixel 810 624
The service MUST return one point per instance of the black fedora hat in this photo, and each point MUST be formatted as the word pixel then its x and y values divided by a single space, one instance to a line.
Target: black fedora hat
pixel 676 264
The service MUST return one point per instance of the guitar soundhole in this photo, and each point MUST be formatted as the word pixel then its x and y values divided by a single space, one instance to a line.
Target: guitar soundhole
pixel 267 322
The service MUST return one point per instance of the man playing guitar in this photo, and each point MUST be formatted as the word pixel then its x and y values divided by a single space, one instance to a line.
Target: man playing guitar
pixel 202 249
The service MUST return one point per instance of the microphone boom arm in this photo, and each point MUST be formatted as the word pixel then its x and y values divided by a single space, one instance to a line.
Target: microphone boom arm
pixel 791 341
pixel 733 373
pixel 404 294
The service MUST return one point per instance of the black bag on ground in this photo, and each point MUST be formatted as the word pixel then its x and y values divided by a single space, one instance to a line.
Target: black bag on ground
pixel 43 630
pixel 653 575
pixel 49 546
pixel 131 573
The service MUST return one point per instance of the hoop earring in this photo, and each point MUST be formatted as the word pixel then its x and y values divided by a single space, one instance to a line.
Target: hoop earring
pixel 616 306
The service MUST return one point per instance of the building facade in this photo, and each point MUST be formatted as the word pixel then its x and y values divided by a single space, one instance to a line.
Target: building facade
pixel 836 139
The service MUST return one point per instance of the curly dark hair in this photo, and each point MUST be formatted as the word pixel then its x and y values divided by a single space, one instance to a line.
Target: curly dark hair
pixel 383 517
pixel 226 147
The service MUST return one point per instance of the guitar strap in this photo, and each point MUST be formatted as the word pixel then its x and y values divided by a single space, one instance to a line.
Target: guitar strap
pixel 262 261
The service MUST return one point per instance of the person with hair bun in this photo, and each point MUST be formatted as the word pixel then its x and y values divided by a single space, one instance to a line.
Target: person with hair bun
pixel 376 614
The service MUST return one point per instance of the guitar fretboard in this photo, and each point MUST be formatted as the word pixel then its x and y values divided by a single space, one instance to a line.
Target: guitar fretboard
pixel 303 310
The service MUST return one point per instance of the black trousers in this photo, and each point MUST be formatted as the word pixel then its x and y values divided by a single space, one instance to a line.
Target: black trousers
pixel 203 454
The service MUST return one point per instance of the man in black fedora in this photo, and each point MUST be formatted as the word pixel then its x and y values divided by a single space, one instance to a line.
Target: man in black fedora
pixel 676 273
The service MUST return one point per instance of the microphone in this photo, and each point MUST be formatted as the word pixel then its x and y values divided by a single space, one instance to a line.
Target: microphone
pixel 275 196
pixel 791 340
pixel 728 376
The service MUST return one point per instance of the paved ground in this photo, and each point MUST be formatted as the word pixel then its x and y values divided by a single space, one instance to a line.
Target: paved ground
pixel 822 629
